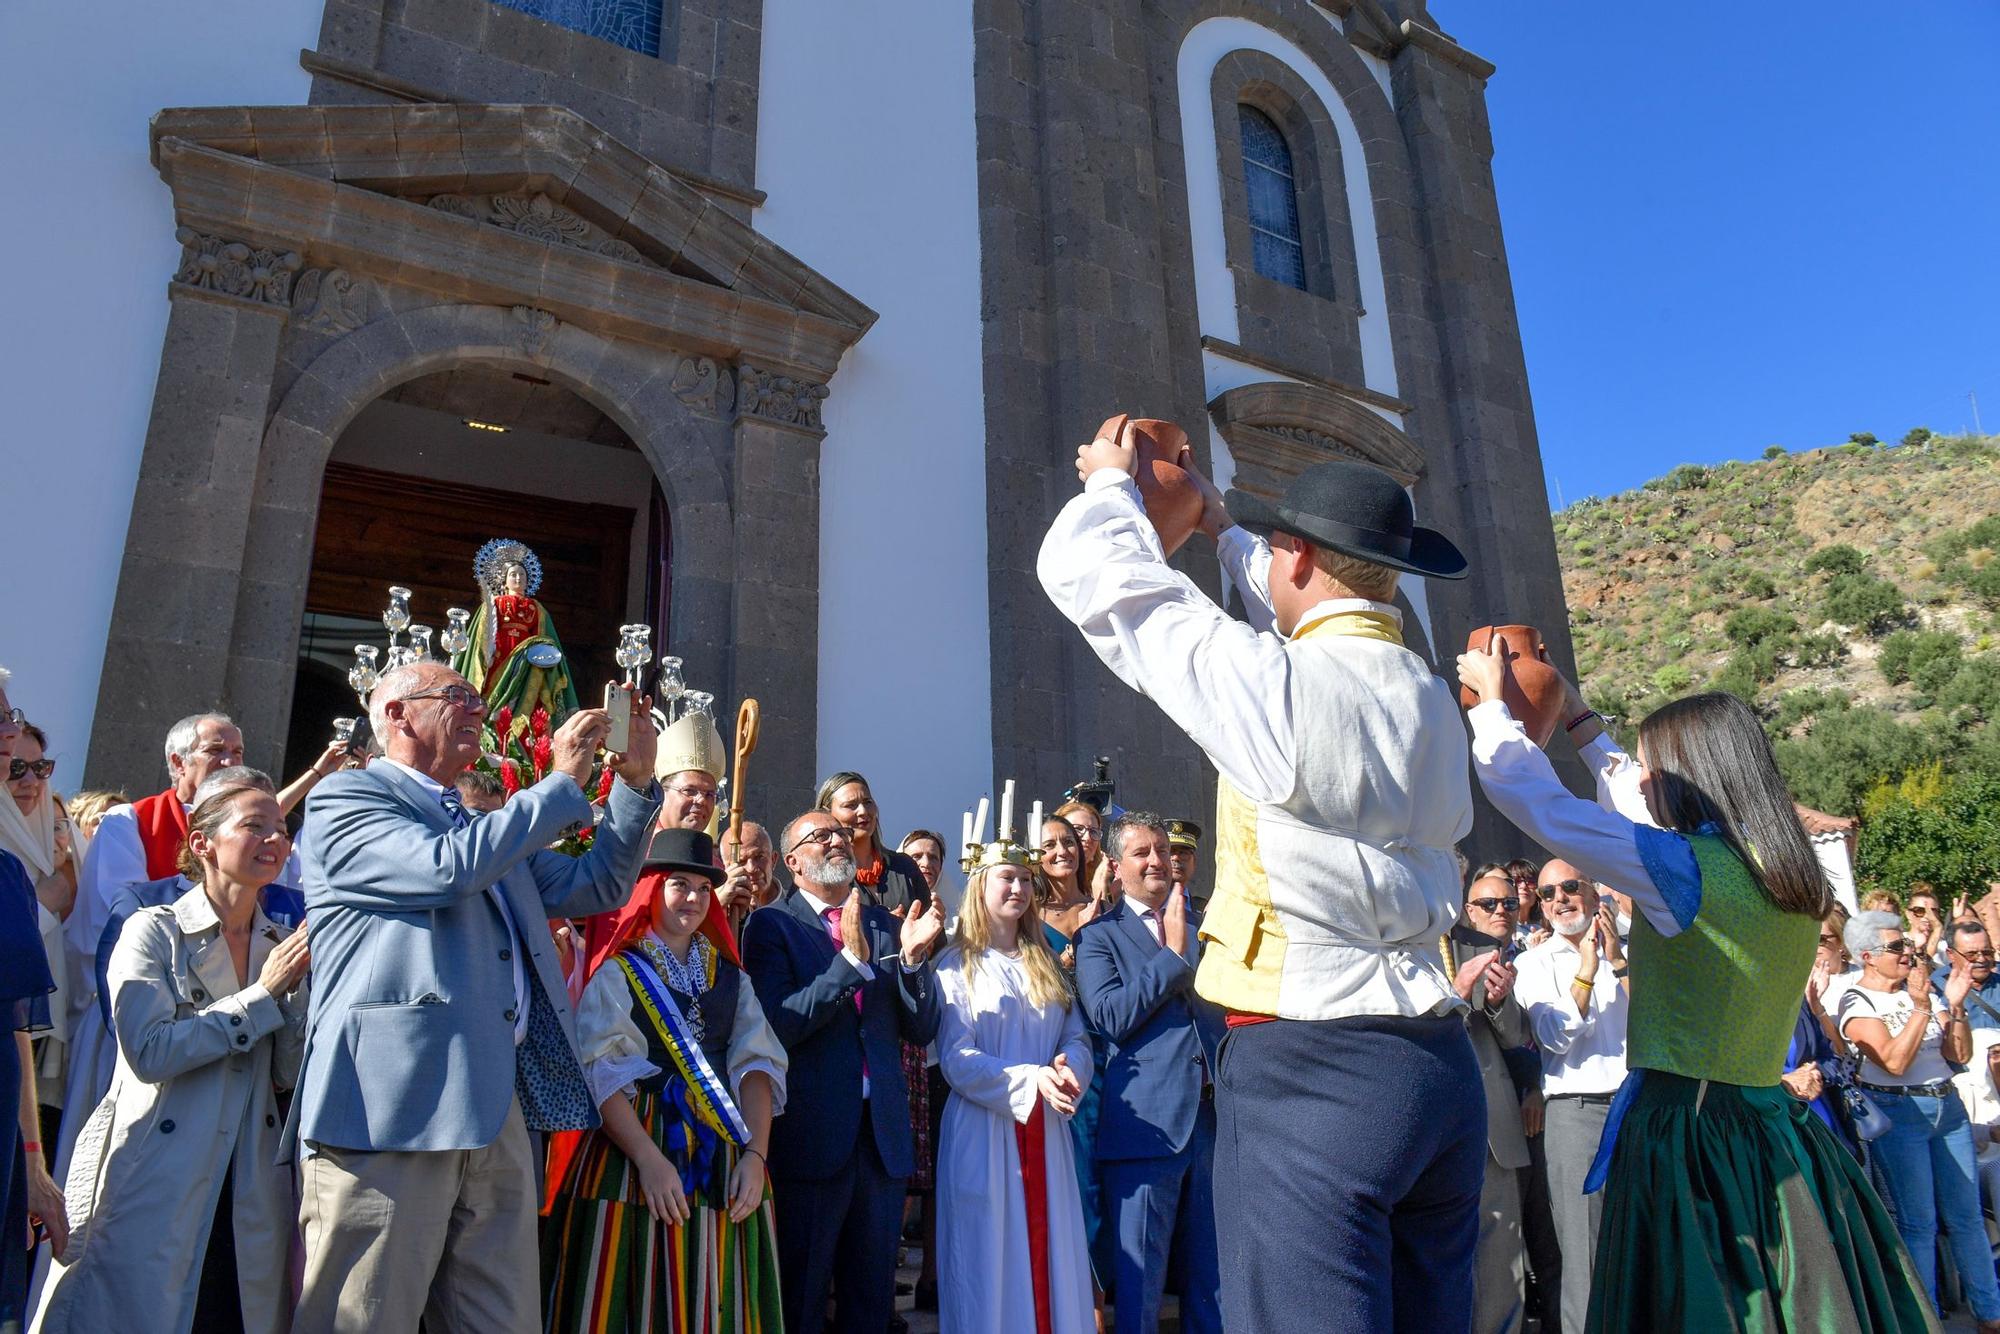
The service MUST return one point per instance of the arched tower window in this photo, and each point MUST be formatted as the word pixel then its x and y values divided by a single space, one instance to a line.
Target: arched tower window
pixel 1276 247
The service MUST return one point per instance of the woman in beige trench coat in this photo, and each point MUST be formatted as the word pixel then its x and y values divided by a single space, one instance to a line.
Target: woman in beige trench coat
pixel 207 1001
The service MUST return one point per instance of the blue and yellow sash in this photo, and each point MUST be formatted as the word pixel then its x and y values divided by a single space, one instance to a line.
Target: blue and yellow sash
pixel 707 1097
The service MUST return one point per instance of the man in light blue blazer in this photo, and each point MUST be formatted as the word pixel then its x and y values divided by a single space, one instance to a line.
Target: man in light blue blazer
pixel 1156 1123
pixel 440 1030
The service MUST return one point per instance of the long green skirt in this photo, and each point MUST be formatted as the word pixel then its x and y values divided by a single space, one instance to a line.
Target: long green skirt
pixel 611 1269
pixel 1736 1209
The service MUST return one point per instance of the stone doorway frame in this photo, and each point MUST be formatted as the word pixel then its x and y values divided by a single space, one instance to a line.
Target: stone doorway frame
pixel 332 253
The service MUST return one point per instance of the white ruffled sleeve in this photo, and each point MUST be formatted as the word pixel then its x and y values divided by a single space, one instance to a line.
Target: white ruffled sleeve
pixel 754 1045
pixel 612 1047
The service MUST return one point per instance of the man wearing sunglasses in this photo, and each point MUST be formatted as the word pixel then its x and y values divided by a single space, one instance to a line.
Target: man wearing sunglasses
pixel 1478 951
pixel 1574 989
pixel 441 1032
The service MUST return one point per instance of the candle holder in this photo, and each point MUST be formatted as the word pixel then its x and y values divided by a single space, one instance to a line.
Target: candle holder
pixel 670 686
pixel 635 650
pixel 362 676
pixel 420 643
pixel 396 616
pixel 456 639
pixel 700 701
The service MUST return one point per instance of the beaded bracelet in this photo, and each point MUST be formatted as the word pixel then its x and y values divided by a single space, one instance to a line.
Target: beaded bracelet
pixel 1580 720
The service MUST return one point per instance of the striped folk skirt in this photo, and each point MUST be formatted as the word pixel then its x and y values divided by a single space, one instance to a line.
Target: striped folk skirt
pixel 612 1269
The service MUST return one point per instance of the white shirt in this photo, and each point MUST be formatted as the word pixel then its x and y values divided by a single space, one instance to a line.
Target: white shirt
pixel 1582 1051
pixel 1895 1009
pixel 499 897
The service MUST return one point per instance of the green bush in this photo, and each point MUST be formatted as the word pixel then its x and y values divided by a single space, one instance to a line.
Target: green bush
pixel 1672 679
pixel 1946 832
pixel 1865 439
pixel 1906 650
pixel 1837 559
pixel 1756 584
pixel 1774 451
pixel 1917 435
pixel 1819 650
pixel 1751 626
pixel 1865 602
pixel 1846 752
pixel 1798 705
pixel 1973 689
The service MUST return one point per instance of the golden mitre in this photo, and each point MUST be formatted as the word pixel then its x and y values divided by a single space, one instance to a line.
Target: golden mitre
pixel 691 743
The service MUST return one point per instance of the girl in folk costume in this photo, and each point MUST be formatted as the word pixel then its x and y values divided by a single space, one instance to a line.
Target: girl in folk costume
pixel 661 1219
pixel 1729 1205
pixel 1013 1049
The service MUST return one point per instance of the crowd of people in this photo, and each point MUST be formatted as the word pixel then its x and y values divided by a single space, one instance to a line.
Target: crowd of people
pixel 400 1043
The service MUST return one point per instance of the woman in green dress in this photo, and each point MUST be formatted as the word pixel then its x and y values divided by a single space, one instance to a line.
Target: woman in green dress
pixel 1728 1205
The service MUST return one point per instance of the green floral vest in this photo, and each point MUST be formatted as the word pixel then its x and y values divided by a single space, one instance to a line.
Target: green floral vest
pixel 1719 1000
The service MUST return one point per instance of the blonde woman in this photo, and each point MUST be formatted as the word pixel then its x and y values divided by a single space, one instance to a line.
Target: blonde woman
pixel 1014 1051
pixel 180 1218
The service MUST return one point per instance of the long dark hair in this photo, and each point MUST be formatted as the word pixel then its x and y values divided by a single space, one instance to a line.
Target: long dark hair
pixel 1711 762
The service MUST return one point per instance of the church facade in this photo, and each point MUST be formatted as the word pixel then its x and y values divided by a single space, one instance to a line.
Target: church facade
pixel 770 323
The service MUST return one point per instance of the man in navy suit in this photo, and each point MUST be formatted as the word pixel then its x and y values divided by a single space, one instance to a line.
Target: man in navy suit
pixel 1156 1129
pixel 844 985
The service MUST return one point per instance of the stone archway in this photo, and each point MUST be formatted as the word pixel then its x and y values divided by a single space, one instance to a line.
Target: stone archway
pixel 316 276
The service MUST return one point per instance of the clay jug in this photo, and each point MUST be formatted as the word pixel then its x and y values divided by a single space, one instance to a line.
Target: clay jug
pixel 1173 502
pixel 1534 690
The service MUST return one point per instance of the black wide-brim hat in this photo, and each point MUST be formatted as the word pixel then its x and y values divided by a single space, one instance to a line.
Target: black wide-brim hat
pixel 687 850
pixel 1356 510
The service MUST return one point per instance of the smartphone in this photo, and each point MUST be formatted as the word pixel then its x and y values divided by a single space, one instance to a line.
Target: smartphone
pixel 361 738
pixel 618 703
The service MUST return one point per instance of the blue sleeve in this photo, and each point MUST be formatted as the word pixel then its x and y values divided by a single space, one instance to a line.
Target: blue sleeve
pixel 25 980
pixel 1669 860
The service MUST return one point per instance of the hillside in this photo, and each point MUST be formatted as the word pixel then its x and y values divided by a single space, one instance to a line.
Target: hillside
pixel 1852 594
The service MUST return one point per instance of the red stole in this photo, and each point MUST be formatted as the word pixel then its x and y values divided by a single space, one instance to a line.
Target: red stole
pixel 163 832
pixel 1029 1142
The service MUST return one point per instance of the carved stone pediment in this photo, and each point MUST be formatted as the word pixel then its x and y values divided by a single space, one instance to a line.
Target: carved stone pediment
pixel 384 193
pixel 1279 428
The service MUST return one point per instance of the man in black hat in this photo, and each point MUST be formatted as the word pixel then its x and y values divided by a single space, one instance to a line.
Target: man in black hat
pixel 1183 853
pixel 1348 1150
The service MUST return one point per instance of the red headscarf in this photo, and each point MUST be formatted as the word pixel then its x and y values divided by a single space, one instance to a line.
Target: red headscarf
pixel 603 936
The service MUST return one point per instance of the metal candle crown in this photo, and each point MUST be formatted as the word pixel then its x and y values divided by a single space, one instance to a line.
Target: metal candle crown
pixel 976 854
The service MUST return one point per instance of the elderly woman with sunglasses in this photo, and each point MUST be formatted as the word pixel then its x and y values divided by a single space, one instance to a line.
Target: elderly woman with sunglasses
pixel 1907 1047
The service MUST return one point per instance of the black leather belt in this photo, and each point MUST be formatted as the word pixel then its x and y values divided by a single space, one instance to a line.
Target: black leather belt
pixel 1602 1099
pixel 1908 1090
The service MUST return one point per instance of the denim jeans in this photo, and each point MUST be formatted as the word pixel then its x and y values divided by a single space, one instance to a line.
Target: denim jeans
pixel 1926 1157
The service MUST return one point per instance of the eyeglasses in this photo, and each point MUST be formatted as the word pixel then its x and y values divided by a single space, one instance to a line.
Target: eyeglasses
pixel 1547 892
pixel 1896 947
pixel 459 697
pixel 693 793
pixel 1826 939
pixel 19 769
pixel 1971 956
pixel 1495 905
pixel 1919 910
pixel 825 837
pixel 14 716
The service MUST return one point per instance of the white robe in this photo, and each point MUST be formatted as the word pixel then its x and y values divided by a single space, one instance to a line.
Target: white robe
pixel 991 1043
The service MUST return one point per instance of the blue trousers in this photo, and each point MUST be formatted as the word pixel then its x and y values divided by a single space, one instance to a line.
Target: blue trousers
pixel 1164 1214
pixel 841 1233
pixel 1927 1161
pixel 1348 1162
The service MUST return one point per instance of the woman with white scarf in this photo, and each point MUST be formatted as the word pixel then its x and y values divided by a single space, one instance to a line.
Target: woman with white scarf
pixel 32 829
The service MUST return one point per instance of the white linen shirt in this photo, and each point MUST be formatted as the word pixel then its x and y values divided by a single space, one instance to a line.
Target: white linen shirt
pixel 1583 1051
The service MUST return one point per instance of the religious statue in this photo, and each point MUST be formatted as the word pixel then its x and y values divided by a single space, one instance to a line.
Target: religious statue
pixel 514 658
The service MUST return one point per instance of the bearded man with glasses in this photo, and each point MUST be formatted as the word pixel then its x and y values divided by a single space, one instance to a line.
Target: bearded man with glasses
pixel 1574 989
pixel 845 984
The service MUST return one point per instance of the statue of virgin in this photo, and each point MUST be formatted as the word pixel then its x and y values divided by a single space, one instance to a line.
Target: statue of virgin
pixel 515 659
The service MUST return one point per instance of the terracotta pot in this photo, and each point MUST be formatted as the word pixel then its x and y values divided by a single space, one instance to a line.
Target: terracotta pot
pixel 1534 691
pixel 1173 502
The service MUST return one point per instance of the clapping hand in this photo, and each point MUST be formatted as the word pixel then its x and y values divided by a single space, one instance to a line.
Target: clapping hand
pixel 1609 946
pixel 921 930
pixel 1174 923
pixel 1499 980
pixel 852 937
pixel 286 964
pixel 1958 985
pixel 1919 985
pixel 1059 1086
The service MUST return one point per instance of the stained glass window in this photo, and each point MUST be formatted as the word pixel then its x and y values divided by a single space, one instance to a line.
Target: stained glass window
pixel 634 24
pixel 1275 246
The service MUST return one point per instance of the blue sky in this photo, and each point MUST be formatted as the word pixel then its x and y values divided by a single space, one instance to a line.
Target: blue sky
pixel 1734 226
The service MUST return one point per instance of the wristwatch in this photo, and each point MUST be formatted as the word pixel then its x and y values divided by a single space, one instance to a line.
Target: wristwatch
pixel 1619 969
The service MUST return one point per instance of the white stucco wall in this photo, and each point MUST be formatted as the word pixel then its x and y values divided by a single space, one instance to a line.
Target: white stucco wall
pixel 90 231
pixel 868 153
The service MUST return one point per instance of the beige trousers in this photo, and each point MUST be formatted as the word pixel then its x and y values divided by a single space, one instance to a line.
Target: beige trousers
pixel 448 1236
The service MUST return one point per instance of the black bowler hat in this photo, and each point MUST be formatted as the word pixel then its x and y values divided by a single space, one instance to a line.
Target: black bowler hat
pixel 1356 510
pixel 684 850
